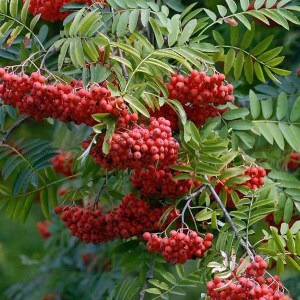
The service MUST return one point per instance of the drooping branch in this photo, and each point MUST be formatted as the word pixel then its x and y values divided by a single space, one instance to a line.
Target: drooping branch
pixel 10 131
pixel 243 243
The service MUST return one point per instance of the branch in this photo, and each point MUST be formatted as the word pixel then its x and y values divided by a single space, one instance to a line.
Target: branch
pixel 189 198
pixel 8 133
pixel 227 216
pixel 51 50
pixel 96 199
pixel 149 275
pixel 124 71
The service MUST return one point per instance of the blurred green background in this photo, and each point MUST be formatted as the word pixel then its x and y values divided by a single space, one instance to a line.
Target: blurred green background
pixel 21 246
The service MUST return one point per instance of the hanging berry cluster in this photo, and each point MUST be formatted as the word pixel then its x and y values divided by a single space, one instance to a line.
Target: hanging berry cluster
pixel 200 94
pixel 62 163
pixel 253 284
pixel 294 161
pixel 138 146
pixel 179 247
pixel 132 217
pixel 257 175
pixel 160 182
pixel 50 10
pixel 67 102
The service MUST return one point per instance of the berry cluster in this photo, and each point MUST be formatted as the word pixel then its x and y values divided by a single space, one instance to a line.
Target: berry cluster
pixel 139 146
pixel 43 228
pixel 257 175
pixel 62 163
pixel 50 10
pixel 132 217
pixel 294 161
pixel 200 95
pixel 67 102
pixel 155 182
pixel 179 247
pixel 253 284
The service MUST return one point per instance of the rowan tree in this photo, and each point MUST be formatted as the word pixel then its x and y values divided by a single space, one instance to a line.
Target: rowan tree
pixel 172 158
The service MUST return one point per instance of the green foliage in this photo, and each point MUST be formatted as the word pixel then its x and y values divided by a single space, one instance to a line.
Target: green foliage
pixel 26 163
pixel 15 19
pixel 284 246
pixel 80 38
pixel 258 61
pixel 274 119
pixel 133 47
pixel 63 262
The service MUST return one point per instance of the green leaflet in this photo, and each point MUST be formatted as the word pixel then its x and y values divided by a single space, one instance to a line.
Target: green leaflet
pixel 295 111
pixel 255 107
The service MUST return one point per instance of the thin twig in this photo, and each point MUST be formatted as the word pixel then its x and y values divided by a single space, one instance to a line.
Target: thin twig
pixel 30 59
pixel 12 129
pixel 51 50
pixel 149 275
pixel 194 221
pixel 232 225
pixel 124 71
pixel 189 198
pixel 96 198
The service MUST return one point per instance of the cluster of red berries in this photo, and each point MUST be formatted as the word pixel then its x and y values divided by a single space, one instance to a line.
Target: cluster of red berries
pixel 62 163
pixel 50 10
pixel 67 102
pixel 200 95
pixel 160 182
pixel 200 89
pixel 294 161
pixel 132 217
pixel 179 247
pixel 138 146
pixel 250 285
pixel 257 175
pixel 43 228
